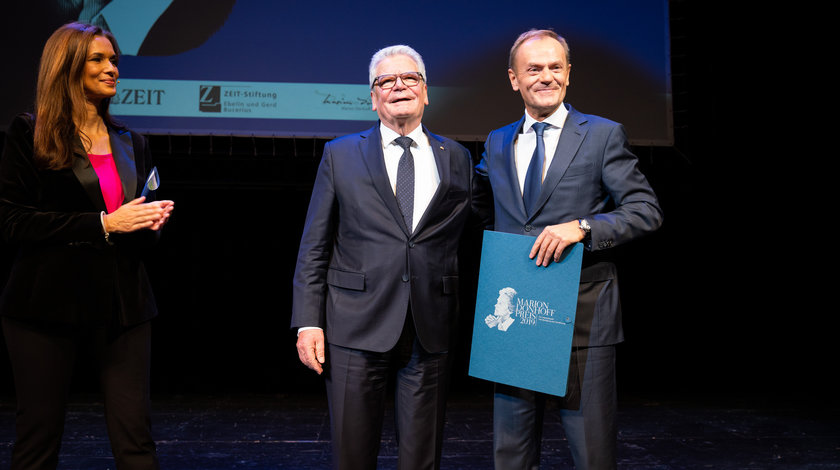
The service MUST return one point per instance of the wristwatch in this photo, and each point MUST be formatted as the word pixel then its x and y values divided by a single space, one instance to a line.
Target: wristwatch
pixel 583 225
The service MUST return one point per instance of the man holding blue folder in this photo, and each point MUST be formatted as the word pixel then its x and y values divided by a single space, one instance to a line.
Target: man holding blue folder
pixel 566 177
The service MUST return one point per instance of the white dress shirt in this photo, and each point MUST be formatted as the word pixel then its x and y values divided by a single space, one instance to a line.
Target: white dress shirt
pixel 426 177
pixel 526 142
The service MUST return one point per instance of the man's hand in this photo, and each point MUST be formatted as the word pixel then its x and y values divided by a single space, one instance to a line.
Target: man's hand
pixel 310 346
pixel 553 240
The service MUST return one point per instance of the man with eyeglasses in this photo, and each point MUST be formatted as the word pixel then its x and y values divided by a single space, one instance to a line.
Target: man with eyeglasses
pixel 565 177
pixel 376 282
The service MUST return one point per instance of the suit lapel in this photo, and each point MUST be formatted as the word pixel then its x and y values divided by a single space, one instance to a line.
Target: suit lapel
pixel 443 162
pixel 509 151
pixel 86 175
pixel 370 147
pixel 574 130
pixel 122 149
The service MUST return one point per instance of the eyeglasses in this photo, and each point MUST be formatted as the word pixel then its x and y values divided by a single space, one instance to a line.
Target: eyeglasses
pixel 387 81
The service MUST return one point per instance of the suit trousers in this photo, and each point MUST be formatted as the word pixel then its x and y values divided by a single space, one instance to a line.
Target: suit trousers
pixel 357 385
pixel 43 359
pixel 588 416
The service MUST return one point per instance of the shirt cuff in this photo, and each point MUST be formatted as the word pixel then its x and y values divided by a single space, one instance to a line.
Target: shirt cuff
pixel 308 328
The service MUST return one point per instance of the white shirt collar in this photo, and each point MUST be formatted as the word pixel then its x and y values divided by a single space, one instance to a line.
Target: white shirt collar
pixel 556 120
pixel 388 135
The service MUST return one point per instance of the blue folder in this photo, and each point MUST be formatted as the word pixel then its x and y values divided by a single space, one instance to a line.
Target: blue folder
pixel 524 315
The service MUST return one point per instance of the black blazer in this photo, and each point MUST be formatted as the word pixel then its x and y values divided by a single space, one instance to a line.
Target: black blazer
pixel 359 267
pixel 64 271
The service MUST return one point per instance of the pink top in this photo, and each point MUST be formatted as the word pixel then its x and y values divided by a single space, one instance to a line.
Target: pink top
pixel 109 180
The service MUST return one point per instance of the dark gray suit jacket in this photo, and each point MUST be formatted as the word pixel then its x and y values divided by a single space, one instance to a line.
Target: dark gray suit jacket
pixel 359 267
pixel 594 176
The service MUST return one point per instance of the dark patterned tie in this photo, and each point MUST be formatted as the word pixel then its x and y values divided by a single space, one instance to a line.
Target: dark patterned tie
pixel 405 181
pixel 533 178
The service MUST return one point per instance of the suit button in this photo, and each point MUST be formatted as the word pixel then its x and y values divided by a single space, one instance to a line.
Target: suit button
pixel 411 244
pixel 405 278
pixel 528 228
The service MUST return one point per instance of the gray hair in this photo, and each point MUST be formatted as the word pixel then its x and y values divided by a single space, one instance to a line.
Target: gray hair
pixel 536 34
pixel 389 51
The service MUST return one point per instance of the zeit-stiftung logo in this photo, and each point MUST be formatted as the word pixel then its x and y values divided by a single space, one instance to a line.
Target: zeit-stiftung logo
pixel 210 98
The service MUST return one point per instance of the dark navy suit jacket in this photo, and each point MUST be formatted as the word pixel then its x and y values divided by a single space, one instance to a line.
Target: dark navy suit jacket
pixel 359 267
pixel 594 176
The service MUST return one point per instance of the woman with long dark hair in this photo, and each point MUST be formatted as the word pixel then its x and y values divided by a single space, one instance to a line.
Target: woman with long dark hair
pixel 70 186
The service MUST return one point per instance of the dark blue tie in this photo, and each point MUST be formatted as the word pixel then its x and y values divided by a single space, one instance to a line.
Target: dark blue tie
pixel 405 181
pixel 533 178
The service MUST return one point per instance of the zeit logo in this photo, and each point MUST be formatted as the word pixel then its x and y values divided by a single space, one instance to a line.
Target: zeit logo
pixel 138 96
pixel 210 98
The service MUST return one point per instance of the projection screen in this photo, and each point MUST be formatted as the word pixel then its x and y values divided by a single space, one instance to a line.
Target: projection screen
pixel 272 68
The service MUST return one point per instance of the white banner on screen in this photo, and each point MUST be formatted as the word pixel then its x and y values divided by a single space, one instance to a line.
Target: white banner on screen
pixel 262 100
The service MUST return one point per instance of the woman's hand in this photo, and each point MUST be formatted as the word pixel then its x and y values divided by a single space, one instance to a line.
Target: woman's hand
pixel 137 215
pixel 167 207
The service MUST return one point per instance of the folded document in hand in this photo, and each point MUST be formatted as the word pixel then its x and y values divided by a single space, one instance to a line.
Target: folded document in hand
pixel 524 315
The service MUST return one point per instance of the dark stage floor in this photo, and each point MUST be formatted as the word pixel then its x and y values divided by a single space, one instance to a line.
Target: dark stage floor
pixel 292 432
